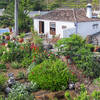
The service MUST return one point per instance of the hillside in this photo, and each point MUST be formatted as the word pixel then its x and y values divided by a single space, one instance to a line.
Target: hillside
pixel 71 3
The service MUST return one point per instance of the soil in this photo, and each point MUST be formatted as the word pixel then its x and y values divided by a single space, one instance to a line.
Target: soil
pixel 12 70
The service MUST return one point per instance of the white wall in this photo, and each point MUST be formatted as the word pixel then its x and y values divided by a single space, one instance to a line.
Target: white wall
pixel 86 28
pixel 59 25
pixel 83 29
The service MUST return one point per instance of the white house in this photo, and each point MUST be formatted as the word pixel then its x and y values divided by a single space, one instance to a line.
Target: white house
pixel 68 21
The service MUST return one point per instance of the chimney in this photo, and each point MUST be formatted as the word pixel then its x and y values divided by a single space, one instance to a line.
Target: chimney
pixel 89 11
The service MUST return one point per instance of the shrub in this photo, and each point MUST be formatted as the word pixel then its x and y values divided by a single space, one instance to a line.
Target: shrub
pixel 3 80
pixel 86 61
pixel 15 65
pixel 51 74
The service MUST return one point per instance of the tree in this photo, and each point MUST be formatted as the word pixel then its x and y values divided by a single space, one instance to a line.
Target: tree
pixel 23 10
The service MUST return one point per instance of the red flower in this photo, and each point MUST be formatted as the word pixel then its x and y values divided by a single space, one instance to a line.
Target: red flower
pixel 32 73
pixel 3 44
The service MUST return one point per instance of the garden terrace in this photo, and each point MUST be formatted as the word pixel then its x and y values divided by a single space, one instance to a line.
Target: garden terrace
pixel 39 69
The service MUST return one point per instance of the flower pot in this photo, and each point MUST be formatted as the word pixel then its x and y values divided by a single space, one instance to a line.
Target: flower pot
pixel 21 40
pixel 7 37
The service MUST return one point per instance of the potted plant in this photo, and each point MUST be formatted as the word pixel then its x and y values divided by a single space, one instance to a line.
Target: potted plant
pixel 21 37
pixel 7 35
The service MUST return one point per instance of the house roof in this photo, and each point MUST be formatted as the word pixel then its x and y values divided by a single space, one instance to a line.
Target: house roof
pixel 72 15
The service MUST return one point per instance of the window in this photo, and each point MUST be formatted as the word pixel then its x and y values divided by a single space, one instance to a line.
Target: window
pixel 64 27
pixel 95 26
pixel 52 28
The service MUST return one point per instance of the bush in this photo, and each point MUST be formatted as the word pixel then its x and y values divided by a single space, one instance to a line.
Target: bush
pixel 52 75
pixel 15 65
pixel 3 80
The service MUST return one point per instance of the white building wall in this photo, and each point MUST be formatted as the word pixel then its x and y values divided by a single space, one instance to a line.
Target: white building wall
pixel 59 24
pixel 86 28
pixel 83 28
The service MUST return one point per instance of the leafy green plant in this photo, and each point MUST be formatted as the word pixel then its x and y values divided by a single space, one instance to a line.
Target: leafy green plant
pixel 22 35
pixel 52 75
pixel 3 80
pixel 15 65
pixel 96 95
pixel 7 33
pixel 83 94
pixel 21 75
pixel 19 92
pixel 67 95
pixel 2 66
pixel 32 87
pixel 97 81
pixel 26 62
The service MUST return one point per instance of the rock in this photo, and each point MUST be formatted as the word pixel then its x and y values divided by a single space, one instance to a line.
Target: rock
pixel 47 47
pixel 11 81
pixel 71 86
pixel 59 95
pixel 7 90
pixel 11 75
pixel 77 86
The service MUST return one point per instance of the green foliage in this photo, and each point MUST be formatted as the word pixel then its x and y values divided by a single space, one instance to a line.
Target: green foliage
pixel 67 95
pixel 19 92
pixel 33 87
pixel 70 45
pixel 3 80
pixel 80 53
pixel 7 33
pixel 15 65
pixel 6 21
pixel 22 35
pixel 24 21
pixel 2 66
pixel 21 75
pixel 96 95
pixel 26 61
pixel 52 75
pixel 97 81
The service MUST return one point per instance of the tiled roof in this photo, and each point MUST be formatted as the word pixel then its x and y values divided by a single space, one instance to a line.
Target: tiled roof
pixel 67 15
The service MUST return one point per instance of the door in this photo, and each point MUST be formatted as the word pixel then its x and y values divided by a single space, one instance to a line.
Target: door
pixel 41 27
